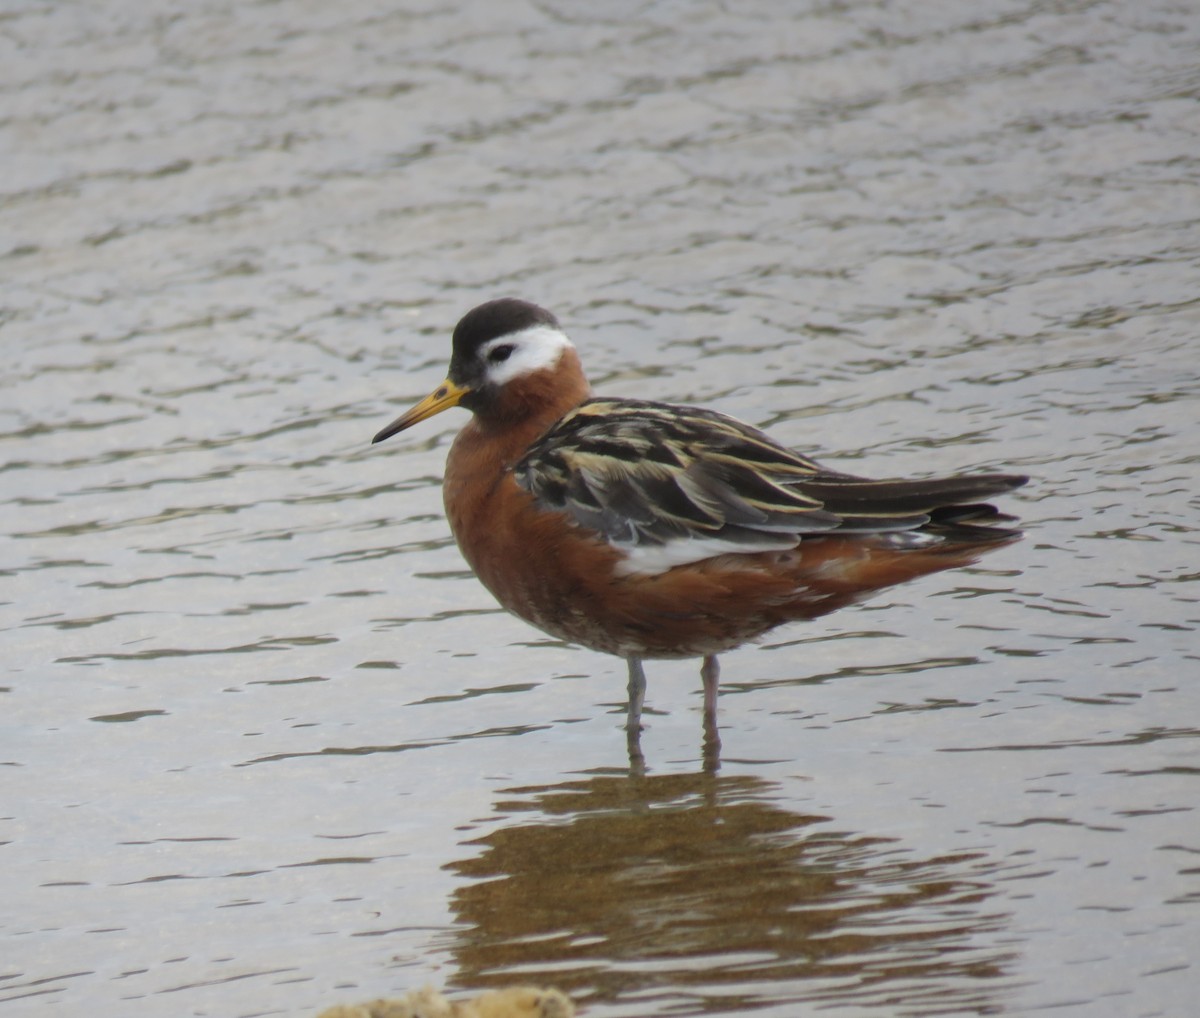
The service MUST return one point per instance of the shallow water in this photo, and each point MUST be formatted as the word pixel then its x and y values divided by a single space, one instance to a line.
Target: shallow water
pixel 268 745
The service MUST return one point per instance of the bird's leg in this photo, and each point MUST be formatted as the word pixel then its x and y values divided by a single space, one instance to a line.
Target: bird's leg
pixel 637 693
pixel 710 675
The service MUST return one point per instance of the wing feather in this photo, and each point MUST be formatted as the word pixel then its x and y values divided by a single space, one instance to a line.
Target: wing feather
pixel 648 475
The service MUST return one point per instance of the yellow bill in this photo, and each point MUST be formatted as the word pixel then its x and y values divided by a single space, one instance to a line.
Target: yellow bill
pixel 445 396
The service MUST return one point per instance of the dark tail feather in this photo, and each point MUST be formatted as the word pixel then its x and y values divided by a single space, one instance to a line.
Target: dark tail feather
pixel 939 503
pixel 972 513
pixel 852 496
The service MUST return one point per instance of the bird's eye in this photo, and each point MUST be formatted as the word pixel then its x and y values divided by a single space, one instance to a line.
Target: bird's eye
pixel 499 354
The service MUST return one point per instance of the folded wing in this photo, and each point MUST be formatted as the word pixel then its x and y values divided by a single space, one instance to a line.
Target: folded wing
pixel 680 484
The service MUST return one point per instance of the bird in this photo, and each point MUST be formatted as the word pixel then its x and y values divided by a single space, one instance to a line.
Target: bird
pixel 650 530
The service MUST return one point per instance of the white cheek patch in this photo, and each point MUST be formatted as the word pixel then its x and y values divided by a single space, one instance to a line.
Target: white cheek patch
pixel 534 349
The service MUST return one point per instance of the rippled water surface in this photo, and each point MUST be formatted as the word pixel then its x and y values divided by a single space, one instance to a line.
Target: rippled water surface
pixel 268 745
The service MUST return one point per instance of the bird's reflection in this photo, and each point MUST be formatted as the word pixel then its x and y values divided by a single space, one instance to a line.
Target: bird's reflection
pixel 630 887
